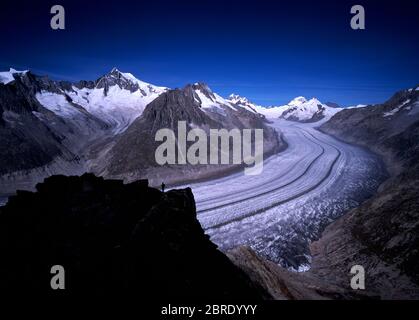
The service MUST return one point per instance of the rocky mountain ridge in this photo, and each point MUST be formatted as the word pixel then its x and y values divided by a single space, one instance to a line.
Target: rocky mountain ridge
pixel 200 108
pixel 59 127
pixel 299 109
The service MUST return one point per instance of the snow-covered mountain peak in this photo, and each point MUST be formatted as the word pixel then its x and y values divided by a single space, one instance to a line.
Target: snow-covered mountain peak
pixel 207 99
pixel 116 74
pixel 245 103
pixel 126 81
pixel 235 98
pixel 297 101
pixel 312 103
pixel 116 98
pixel 314 100
pixel 8 76
pixel 203 87
pixel 300 109
pixel 303 110
pixel 11 70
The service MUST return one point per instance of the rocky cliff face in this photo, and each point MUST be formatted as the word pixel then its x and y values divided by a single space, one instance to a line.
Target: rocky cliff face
pixel 381 128
pixel 35 140
pixel 113 239
pixel 283 284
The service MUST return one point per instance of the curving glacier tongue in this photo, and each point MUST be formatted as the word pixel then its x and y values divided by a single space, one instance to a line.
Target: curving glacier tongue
pixel 300 191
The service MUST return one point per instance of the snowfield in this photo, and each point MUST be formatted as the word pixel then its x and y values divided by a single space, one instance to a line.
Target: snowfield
pixel 300 191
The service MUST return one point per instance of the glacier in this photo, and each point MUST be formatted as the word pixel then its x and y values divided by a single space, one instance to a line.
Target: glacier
pixel 300 191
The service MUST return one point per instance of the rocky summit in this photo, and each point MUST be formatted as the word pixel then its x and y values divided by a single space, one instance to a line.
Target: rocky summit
pixel 113 238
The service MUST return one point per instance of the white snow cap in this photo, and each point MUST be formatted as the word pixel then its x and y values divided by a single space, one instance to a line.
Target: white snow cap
pixel 135 80
pixel 245 103
pixel 397 109
pixel 209 100
pixel 297 101
pixel 235 98
pixel 298 108
pixel 7 76
pixel 119 108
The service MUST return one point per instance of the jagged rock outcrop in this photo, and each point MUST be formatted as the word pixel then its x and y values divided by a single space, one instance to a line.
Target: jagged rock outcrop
pixel 283 284
pixel 113 239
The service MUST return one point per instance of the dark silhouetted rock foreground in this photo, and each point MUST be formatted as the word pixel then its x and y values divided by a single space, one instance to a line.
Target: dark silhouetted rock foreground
pixel 112 239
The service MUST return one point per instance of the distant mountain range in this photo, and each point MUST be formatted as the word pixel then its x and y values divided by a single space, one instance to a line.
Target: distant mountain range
pixel 106 126
pixel 131 153
pixel 299 109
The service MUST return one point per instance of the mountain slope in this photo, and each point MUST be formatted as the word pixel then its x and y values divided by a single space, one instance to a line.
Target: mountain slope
pixel 117 98
pixel 376 126
pixel 200 108
pixel 245 103
pixel 47 126
pixel 72 127
pixel 33 137
pixel 383 233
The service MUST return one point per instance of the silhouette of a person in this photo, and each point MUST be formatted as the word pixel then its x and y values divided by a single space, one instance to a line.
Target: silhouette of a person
pixel 162 186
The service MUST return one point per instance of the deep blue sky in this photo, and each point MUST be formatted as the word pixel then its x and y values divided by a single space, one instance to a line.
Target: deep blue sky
pixel 265 50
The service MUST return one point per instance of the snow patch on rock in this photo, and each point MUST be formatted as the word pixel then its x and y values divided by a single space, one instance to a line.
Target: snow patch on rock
pixel 396 110
pixel 7 76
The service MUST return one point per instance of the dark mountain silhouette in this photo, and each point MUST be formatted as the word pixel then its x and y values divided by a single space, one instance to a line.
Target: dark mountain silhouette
pixel 113 239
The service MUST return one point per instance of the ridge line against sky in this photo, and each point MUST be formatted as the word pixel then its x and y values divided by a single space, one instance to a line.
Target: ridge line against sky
pixel 264 100
pixel 269 52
